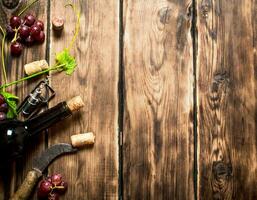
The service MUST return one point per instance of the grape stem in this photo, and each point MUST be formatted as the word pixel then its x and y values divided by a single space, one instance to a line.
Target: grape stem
pixel 32 76
pixel 16 34
pixel 55 187
pixel 27 7
pixel 58 187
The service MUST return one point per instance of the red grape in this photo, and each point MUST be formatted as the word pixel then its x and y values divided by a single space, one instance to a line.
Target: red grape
pixel 56 179
pixel 2 100
pixel 64 189
pixel 9 32
pixel 53 196
pixel 2 116
pixel 40 24
pixel 4 108
pixel 41 37
pixel 16 48
pixel 29 20
pixel 24 31
pixel 15 21
pixel 35 31
pixel 45 187
pixel 29 40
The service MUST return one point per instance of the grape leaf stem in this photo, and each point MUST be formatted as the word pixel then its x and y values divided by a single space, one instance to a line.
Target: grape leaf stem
pixel 32 76
pixel 3 55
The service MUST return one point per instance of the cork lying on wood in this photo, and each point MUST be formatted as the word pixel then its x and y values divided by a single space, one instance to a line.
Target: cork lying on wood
pixel 58 23
pixel 75 103
pixel 81 140
pixel 36 66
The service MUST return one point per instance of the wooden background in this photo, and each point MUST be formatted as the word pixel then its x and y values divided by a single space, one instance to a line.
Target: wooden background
pixel 170 88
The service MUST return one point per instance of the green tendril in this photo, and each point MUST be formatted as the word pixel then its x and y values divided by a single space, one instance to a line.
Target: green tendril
pixel 77 27
pixel 3 55
pixel 3 59
pixel 27 7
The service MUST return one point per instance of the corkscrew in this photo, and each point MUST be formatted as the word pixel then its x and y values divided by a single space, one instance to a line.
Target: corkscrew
pixel 38 98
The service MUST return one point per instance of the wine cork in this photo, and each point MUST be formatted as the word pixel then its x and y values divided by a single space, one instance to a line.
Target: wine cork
pixel 58 23
pixel 75 103
pixel 81 140
pixel 36 66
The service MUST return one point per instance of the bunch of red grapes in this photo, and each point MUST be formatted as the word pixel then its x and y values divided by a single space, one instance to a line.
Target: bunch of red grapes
pixel 27 30
pixel 52 187
pixel 3 108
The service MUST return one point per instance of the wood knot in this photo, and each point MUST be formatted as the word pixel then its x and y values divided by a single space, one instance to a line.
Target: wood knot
pixel 218 89
pixel 205 8
pixel 221 170
pixel 164 14
pixel 11 4
pixel 219 78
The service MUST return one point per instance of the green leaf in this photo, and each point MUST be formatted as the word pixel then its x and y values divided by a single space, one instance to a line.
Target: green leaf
pixel 11 101
pixel 69 62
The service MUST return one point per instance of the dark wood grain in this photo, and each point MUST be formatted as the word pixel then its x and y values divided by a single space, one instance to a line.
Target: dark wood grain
pixel 158 121
pixel 93 172
pixel 227 99
pixel 15 70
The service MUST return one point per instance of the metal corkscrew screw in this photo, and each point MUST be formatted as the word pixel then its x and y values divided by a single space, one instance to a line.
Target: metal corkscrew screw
pixel 38 98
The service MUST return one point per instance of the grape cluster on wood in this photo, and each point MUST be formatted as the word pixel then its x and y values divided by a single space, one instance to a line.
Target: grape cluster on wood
pixel 24 31
pixel 52 187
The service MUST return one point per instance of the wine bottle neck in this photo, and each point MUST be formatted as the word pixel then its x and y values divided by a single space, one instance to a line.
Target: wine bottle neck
pixel 47 118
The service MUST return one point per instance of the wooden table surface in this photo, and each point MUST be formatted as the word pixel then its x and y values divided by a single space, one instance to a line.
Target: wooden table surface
pixel 170 88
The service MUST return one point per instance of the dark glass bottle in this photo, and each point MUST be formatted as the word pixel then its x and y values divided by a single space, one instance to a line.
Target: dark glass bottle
pixel 14 133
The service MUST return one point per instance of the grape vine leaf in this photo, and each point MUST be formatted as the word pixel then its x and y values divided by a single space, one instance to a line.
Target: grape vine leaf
pixel 11 101
pixel 64 57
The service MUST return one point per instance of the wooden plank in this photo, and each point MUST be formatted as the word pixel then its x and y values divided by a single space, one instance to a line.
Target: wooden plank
pixel 91 173
pixel 15 70
pixel 227 106
pixel 158 119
